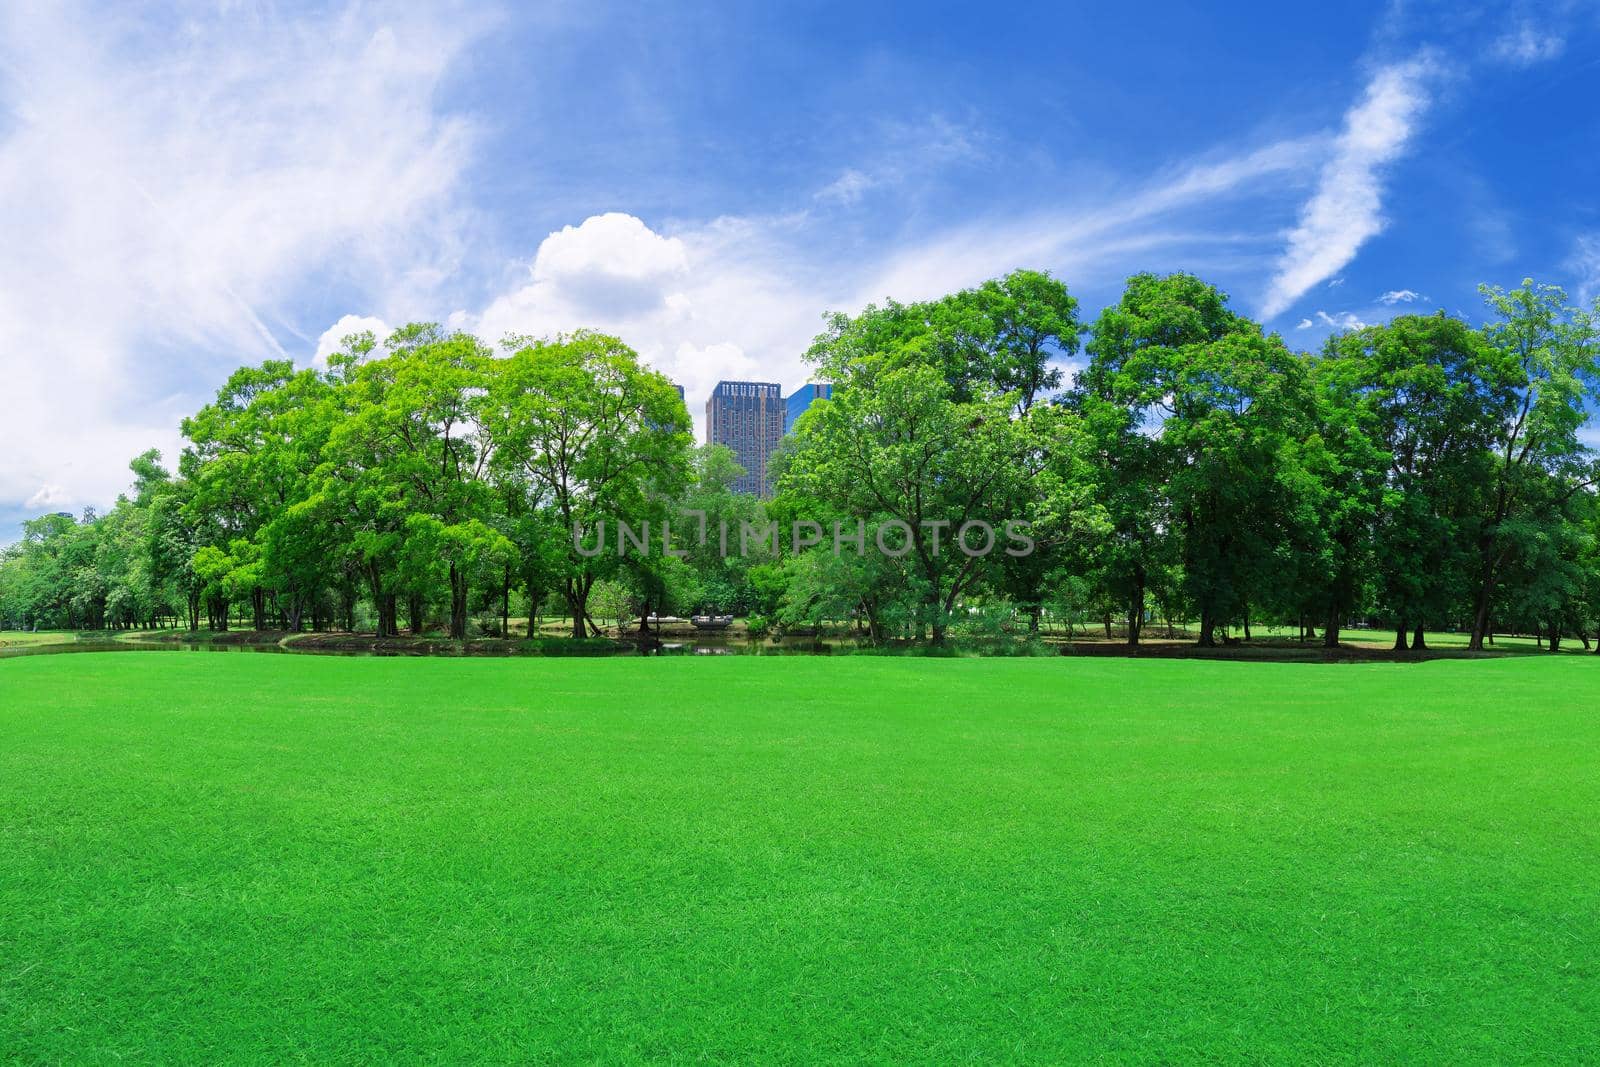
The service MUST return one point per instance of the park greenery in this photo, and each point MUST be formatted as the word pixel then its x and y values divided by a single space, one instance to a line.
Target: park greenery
pixel 1424 474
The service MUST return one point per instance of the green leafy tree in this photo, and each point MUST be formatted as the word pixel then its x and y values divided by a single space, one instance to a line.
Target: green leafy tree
pixel 597 436
pixel 1431 393
pixel 1537 459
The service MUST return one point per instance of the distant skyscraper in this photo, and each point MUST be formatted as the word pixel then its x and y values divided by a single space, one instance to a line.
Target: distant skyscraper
pixel 802 399
pixel 748 418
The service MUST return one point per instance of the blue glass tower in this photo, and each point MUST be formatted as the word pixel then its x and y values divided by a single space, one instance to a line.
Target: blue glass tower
pixel 801 399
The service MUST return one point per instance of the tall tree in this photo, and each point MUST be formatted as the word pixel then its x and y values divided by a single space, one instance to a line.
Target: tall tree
pixel 415 425
pixel 1552 349
pixel 896 446
pixel 1215 400
pixel 1432 394
pixel 597 435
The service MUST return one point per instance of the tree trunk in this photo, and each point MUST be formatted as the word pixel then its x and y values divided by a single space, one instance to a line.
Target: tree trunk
pixel 576 595
pixel 1480 615
pixel 1418 642
pixel 258 608
pixel 1207 625
pixel 416 608
pixel 1330 629
pixel 1401 631
pixel 1555 637
pixel 1136 608
pixel 384 605
pixel 505 609
pixel 458 603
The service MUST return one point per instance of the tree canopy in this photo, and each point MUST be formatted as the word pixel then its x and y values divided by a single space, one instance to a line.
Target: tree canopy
pixel 987 461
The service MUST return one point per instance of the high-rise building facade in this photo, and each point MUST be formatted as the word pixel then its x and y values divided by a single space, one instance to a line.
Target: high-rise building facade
pixel 801 399
pixel 748 417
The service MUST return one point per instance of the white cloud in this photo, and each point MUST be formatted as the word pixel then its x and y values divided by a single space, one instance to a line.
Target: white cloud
pixel 1347 209
pixel 1136 228
pixel 47 497
pixel 167 190
pixel 847 188
pixel 744 297
pixel 725 300
pixel 1585 263
pixel 1526 45
pixel 612 263
pixel 1304 324
pixel 1401 296
pixel 332 339
pixel 699 369
pixel 1341 320
pixel 1334 283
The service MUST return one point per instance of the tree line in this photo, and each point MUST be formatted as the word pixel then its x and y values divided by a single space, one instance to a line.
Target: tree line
pixel 1421 474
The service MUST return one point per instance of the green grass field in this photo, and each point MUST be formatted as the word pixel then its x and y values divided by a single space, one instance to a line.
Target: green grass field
pixel 255 858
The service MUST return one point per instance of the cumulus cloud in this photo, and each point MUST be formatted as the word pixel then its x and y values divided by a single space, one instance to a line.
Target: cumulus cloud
pixel 726 299
pixel 1401 296
pixel 1347 209
pixel 332 339
pixel 1304 324
pixel 611 264
pixel 173 181
pixel 743 297
pixel 47 497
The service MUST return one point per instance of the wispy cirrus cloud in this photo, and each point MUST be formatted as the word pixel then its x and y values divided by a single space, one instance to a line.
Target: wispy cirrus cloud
pixel 1340 320
pixel 188 174
pixel 1584 263
pixel 848 188
pixel 1528 43
pixel 1347 208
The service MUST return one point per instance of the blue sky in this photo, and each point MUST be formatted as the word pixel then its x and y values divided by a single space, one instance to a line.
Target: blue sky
pixel 184 192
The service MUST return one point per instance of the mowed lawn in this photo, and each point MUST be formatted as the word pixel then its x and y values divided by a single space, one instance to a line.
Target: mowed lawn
pixel 252 857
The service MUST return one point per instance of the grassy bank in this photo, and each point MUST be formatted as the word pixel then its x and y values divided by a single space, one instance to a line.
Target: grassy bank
pixel 274 857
